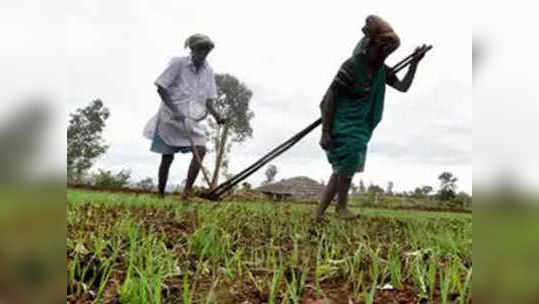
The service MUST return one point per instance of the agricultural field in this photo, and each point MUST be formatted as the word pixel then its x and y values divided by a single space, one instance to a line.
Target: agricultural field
pixel 138 248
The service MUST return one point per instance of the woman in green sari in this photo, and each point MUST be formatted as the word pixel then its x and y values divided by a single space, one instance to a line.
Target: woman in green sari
pixel 353 107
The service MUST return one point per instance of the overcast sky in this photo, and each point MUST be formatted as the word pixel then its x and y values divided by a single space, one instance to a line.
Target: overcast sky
pixel 505 95
pixel 286 52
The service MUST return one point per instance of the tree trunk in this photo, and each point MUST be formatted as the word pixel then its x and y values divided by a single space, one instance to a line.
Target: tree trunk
pixel 219 157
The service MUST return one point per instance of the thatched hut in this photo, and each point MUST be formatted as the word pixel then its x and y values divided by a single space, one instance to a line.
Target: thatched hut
pixel 300 187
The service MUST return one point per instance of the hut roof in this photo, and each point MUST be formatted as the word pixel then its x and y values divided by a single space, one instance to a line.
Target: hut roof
pixel 296 186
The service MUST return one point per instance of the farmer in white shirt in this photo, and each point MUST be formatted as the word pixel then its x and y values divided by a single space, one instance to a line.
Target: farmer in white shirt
pixel 187 89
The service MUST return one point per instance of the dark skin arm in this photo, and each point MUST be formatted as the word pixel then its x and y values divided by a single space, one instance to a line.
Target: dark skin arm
pixel 403 85
pixel 327 108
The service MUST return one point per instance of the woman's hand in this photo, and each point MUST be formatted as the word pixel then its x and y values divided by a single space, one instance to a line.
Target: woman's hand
pixel 419 53
pixel 325 141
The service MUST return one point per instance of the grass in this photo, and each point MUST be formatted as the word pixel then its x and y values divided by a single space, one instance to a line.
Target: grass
pixel 131 248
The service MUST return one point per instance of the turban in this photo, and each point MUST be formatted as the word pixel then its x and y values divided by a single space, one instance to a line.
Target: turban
pixel 199 39
pixel 378 29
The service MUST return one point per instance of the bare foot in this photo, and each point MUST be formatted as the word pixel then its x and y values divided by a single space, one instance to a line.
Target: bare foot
pixel 320 218
pixel 187 195
pixel 346 214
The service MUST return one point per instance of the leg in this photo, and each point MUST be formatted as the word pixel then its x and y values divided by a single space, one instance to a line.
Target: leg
pixel 342 191
pixel 327 197
pixel 194 169
pixel 343 186
pixel 166 161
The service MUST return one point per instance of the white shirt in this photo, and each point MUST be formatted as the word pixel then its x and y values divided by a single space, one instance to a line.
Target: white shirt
pixel 187 88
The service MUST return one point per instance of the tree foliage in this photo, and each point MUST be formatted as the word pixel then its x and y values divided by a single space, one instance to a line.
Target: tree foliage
pixel 84 141
pixel 448 186
pixel 271 172
pixel 375 189
pixel 426 189
pixel 233 98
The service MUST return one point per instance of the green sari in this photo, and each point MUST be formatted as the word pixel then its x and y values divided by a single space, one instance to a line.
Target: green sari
pixel 357 114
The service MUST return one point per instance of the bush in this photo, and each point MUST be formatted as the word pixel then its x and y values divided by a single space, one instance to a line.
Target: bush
pixel 107 180
pixel 145 184
pixel 79 179
pixel 456 202
pixel 446 195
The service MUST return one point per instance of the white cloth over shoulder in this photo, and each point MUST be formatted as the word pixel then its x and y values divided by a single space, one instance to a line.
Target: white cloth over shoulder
pixel 187 89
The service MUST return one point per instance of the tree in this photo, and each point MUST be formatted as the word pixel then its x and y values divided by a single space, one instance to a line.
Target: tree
pixel 426 190
pixel 418 193
pixel 232 102
pixel 390 188
pixel 448 186
pixel 270 173
pixel 375 189
pixel 145 184
pixel 84 141
pixel 361 186
pixel 246 186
